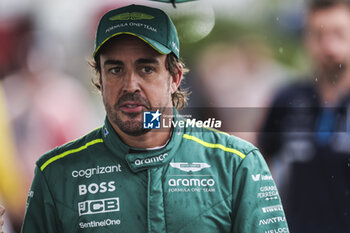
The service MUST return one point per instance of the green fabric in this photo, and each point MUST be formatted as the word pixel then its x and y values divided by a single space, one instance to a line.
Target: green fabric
pixel 150 24
pixel 183 187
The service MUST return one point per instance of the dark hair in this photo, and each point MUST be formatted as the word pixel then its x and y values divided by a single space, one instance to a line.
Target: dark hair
pixel 324 4
pixel 172 63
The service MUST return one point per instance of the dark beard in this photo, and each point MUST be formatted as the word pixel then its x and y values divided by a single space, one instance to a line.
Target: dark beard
pixel 131 127
pixel 333 73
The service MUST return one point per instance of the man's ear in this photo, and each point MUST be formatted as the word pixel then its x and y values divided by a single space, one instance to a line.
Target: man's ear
pixel 176 79
pixel 100 83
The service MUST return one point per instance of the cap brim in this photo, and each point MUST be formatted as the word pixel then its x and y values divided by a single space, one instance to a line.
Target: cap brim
pixel 154 44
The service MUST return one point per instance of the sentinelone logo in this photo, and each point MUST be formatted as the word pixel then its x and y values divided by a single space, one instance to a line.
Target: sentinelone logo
pixel 153 120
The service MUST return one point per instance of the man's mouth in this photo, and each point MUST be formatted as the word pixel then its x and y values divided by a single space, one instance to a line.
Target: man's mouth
pixel 131 107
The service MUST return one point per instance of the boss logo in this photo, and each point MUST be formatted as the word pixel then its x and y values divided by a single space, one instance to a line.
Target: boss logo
pixel 98 206
pixel 96 188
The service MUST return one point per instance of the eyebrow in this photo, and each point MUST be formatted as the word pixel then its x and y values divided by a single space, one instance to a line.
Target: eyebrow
pixel 112 62
pixel 147 61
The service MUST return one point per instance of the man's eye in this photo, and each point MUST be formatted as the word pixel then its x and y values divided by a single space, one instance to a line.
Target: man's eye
pixel 147 69
pixel 115 70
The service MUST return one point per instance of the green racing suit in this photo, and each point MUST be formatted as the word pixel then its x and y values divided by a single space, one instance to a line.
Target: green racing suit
pixel 201 181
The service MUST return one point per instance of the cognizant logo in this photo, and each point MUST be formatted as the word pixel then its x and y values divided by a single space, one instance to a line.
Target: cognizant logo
pixel 155 159
pixel 191 182
pixel 87 173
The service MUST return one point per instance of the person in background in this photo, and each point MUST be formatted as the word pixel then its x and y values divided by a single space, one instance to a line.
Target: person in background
pixel 12 178
pixel 30 81
pixel 305 136
pixel 12 187
pixel 224 77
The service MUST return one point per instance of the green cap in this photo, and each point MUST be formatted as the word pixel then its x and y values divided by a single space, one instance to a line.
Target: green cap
pixel 151 25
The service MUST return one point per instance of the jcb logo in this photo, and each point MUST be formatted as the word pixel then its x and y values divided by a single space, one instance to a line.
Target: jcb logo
pixel 98 206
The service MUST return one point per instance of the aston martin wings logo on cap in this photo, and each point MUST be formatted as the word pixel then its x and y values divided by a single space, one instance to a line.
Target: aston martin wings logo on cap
pixel 131 16
pixel 190 167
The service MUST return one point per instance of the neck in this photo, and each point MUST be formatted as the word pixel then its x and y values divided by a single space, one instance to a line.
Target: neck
pixel 150 139
pixel 153 138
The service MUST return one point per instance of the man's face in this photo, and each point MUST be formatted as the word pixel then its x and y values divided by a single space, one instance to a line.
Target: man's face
pixel 134 79
pixel 328 40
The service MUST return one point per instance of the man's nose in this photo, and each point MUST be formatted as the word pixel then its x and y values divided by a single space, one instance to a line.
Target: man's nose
pixel 131 82
pixel 330 45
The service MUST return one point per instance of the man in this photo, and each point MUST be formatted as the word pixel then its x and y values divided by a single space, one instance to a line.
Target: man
pixel 124 177
pixel 305 135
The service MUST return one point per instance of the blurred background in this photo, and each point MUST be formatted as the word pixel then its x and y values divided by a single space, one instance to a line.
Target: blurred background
pixel 238 52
